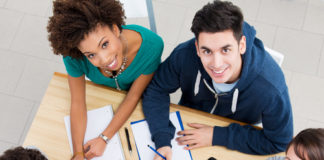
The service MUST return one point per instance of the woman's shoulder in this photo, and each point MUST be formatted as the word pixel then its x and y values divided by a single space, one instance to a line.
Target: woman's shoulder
pixel 136 27
pixel 81 63
pixel 70 59
pixel 147 34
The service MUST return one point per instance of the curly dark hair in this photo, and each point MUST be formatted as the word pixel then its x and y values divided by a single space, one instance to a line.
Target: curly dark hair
pixel 217 17
pixel 20 153
pixel 310 143
pixel 73 19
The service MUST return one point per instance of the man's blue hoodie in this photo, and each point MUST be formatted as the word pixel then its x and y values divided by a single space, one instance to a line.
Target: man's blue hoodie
pixel 263 97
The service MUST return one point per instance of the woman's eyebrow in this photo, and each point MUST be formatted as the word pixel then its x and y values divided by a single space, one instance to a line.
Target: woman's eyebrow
pixel 98 45
pixel 101 40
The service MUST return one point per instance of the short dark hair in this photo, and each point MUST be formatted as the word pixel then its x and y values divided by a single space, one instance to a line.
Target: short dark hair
pixel 73 19
pixel 20 153
pixel 218 16
pixel 309 143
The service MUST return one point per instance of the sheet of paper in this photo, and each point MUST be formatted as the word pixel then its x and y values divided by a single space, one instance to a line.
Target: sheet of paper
pixel 135 8
pixel 98 120
pixel 142 137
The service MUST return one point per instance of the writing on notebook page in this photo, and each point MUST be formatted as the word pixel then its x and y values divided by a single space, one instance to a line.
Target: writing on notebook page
pixel 98 120
pixel 142 137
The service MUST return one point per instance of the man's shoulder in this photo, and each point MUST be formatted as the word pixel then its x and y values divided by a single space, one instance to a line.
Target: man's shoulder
pixel 273 81
pixel 266 72
pixel 184 52
pixel 185 47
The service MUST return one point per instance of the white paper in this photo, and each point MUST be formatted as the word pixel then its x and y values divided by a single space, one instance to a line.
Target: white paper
pixel 135 8
pixel 142 137
pixel 98 120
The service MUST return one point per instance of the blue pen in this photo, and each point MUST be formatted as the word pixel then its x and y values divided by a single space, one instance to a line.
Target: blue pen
pixel 156 152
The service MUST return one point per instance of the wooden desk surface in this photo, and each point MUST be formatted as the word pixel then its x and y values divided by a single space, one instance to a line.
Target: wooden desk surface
pixel 48 132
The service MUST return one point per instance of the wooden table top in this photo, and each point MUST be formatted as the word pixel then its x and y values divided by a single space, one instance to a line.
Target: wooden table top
pixel 48 132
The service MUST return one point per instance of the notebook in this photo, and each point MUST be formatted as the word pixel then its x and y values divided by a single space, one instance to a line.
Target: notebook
pixel 98 120
pixel 142 137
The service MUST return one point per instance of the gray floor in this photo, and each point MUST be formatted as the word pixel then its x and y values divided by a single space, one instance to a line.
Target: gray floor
pixel 292 27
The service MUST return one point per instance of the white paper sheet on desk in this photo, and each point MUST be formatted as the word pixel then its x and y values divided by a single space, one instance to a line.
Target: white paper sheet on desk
pixel 98 120
pixel 135 8
pixel 142 137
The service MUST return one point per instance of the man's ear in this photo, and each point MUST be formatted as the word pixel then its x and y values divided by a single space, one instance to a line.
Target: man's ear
pixel 197 47
pixel 242 45
pixel 115 30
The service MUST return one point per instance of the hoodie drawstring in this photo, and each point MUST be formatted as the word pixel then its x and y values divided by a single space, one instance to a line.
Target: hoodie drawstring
pixel 215 94
pixel 234 100
pixel 197 83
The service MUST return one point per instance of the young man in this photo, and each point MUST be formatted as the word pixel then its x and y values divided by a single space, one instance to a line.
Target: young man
pixel 224 71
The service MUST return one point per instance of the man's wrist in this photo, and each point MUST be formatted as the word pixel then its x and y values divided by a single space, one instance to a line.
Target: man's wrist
pixel 162 140
pixel 220 136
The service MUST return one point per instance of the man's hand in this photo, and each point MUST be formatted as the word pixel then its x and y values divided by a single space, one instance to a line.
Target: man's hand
pixel 166 151
pixel 94 148
pixel 201 136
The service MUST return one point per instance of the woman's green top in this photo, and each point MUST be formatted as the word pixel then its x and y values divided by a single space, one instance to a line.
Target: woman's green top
pixel 145 62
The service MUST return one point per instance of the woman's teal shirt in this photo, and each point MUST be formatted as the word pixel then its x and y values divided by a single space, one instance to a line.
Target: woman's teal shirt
pixel 145 62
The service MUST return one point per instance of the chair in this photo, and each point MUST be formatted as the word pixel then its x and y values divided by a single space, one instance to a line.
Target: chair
pixel 140 8
pixel 278 57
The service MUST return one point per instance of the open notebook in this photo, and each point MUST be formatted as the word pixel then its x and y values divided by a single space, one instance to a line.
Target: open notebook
pixel 98 120
pixel 142 137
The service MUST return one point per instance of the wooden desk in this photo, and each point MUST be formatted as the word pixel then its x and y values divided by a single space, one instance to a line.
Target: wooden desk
pixel 48 133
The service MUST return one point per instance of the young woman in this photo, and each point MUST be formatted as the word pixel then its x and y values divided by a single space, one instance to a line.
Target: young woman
pixel 94 42
pixel 307 145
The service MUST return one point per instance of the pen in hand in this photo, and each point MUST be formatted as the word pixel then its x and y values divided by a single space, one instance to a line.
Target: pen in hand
pixel 87 149
pixel 156 152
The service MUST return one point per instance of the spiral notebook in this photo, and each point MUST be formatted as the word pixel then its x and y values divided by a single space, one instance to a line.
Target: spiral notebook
pixel 98 120
pixel 142 137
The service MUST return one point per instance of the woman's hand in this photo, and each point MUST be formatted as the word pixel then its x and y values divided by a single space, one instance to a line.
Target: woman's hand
pixel 94 148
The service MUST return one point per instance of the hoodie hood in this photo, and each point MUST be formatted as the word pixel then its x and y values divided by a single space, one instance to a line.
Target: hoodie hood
pixel 253 58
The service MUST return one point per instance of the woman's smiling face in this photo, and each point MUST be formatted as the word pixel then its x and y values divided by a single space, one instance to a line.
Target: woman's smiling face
pixel 103 47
